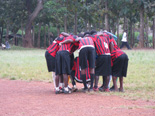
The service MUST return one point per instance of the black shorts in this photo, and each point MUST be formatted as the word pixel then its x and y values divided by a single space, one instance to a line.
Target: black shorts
pixel 50 60
pixel 120 66
pixel 103 65
pixel 87 54
pixel 62 63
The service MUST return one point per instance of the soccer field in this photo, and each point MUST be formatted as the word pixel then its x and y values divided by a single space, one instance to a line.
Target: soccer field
pixel 30 64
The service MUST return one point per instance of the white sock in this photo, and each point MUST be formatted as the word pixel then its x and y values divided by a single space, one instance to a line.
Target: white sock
pixel 74 86
pixel 66 89
pixel 53 76
pixel 61 85
pixel 57 88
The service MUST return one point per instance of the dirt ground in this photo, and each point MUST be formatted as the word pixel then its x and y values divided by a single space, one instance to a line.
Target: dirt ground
pixel 21 98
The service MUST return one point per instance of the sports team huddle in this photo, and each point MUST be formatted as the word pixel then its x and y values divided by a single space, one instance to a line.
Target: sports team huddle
pixel 98 56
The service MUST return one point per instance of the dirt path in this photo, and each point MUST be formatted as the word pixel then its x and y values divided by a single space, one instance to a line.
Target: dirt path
pixel 21 98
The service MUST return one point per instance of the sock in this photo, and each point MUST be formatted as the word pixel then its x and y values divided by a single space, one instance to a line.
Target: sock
pixel 92 80
pixel 74 86
pixel 57 88
pixel 84 81
pixel 53 76
pixel 66 89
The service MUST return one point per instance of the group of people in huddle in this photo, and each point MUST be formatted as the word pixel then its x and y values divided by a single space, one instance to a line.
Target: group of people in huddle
pixel 98 55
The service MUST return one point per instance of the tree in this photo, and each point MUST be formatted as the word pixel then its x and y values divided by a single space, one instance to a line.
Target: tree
pixel 27 41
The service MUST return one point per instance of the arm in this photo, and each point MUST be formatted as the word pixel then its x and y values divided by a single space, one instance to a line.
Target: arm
pixel 77 39
pixel 111 46
pixel 66 41
pixel 65 34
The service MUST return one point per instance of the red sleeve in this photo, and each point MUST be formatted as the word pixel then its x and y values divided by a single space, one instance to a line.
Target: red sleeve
pixel 73 68
pixel 94 37
pixel 61 35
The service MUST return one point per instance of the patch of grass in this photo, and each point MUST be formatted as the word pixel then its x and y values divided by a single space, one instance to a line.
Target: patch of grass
pixel 30 64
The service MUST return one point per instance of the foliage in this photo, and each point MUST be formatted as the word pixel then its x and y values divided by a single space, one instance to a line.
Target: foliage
pixel 90 14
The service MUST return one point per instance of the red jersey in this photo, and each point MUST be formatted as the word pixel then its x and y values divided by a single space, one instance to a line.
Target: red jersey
pixel 116 51
pixel 68 46
pixel 101 45
pixel 108 36
pixel 86 41
pixel 53 48
pixel 76 67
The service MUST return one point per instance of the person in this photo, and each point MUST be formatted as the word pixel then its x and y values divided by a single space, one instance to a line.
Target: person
pixel 76 74
pixel 7 45
pixel 87 59
pixel 119 67
pixel 63 61
pixel 3 46
pixel 103 61
pixel 124 41
pixel 50 56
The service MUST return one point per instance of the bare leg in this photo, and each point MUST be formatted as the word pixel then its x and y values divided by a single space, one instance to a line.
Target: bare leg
pixel 107 82
pixel 83 75
pixel 65 78
pixel 121 84
pixel 96 81
pixel 115 83
pixel 92 75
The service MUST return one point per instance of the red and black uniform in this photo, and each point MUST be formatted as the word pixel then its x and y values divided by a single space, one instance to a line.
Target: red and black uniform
pixel 103 61
pixel 50 55
pixel 87 58
pixel 63 57
pixel 76 73
pixel 119 60
pixel 86 52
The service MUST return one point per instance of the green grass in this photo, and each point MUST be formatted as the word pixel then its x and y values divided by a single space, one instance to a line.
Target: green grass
pixel 30 64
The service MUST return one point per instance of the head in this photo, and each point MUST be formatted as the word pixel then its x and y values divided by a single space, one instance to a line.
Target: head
pixel 93 32
pixel 80 35
pixel 59 38
pixel 86 34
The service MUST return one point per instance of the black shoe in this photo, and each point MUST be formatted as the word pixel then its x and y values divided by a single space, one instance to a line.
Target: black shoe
pixel 85 90
pixel 101 88
pixel 74 89
pixel 112 88
pixel 91 90
pixel 57 92
pixel 67 92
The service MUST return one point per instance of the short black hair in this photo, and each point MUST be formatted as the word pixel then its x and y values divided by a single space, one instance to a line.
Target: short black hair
pixel 93 32
pixel 80 35
pixel 86 33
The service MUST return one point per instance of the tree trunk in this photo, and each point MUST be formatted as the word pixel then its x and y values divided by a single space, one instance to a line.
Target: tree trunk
pixel 7 32
pixel 141 39
pixel 153 33
pixel 58 30
pixel 27 41
pixel 33 35
pixel 125 24
pixel 1 34
pixel 22 30
pixel 65 23
pixel 146 31
pixel 48 35
pixel 75 23
pixel 38 44
pixel 133 35
pixel 106 16
pixel 45 36
pixel 118 31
